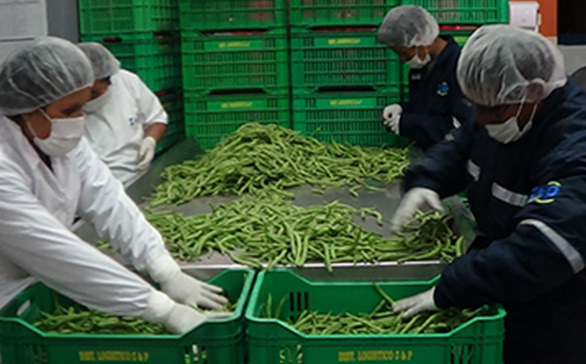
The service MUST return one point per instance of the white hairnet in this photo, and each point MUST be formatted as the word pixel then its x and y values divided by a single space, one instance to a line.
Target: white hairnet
pixel 499 61
pixel 408 26
pixel 103 61
pixel 41 73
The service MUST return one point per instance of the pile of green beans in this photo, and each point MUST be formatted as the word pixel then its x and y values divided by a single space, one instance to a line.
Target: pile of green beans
pixel 260 157
pixel 381 320
pixel 271 230
pixel 77 320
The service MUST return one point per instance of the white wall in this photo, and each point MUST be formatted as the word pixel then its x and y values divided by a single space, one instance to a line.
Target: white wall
pixel 574 57
pixel 21 21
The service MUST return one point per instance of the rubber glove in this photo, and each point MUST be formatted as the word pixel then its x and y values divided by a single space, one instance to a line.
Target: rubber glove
pixel 184 288
pixel 415 199
pixel 146 152
pixel 392 117
pixel 176 318
pixel 415 304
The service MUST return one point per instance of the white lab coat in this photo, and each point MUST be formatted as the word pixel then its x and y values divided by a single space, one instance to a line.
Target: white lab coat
pixel 37 207
pixel 117 130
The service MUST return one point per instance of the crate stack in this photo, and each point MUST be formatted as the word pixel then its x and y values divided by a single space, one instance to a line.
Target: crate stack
pixel 459 18
pixel 235 69
pixel 342 78
pixel 144 36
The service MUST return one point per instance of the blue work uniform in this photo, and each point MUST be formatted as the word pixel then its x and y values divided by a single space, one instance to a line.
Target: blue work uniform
pixel 529 199
pixel 435 99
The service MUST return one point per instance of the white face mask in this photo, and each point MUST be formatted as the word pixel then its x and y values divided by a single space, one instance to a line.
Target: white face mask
pixel 96 104
pixel 417 63
pixel 65 135
pixel 509 131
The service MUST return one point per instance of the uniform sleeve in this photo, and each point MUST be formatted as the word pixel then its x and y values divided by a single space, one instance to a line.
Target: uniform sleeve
pixel 36 241
pixel 149 104
pixel 425 129
pixel 116 218
pixel 545 250
pixel 444 167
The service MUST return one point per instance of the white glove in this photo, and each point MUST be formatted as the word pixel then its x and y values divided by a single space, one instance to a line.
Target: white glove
pixel 175 317
pixel 416 304
pixel 146 152
pixel 184 288
pixel 392 117
pixel 391 111
pixel 415 199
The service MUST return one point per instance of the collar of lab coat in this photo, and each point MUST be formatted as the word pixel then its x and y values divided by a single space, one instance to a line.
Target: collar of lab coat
pixel 14 138
pixel 15 144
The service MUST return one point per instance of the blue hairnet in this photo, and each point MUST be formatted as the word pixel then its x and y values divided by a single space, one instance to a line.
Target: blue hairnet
pixel 41 73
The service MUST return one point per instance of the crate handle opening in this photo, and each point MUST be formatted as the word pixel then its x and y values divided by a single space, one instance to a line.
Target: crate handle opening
pixel 24 306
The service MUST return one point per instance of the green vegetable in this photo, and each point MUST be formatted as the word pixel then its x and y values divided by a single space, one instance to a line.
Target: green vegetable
pixel 269 230
pixel 271 158
pixel 381 320
pixel 76 319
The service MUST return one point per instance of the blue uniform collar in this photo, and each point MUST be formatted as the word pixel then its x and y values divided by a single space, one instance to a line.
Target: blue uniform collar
pixel 553 102
pixel 444 58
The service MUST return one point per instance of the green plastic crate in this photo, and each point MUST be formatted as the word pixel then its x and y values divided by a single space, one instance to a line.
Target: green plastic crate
pixel 478 341
pixel 316 13
pixel 346 117
pixel 219 341
pixel 209 118
pixel 127 16
pixel 232 14
pixel 155 59
pixel 342 58
pixel 460 33
pixel 237 61
pixel 173 104
pixel 478 12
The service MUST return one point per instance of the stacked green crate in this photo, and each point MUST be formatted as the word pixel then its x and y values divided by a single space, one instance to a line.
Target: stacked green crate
pixel 155 58
pixel 346 116
pixel 465 12
pixel 210 117
pixel 235 66
pixel 172 101
pixel 144 36
pixel 115 17
pixel 342 77
pixel 235 61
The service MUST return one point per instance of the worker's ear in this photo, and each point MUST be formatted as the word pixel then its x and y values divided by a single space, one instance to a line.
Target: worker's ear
pixel 535 91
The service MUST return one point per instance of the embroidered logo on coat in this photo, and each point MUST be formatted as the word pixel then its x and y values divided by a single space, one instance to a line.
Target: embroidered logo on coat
pixel 545 194
pixel 443 89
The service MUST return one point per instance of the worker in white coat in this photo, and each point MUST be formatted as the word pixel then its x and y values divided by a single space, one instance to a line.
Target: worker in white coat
pixel 49 173
pixel 124 119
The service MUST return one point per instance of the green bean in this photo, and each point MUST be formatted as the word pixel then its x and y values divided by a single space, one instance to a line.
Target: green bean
pixel 77 319
pixel 268 157
pixel 381 320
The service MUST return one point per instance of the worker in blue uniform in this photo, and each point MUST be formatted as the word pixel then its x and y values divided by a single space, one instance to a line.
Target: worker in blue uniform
pixel 524 166
pixel 436 103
